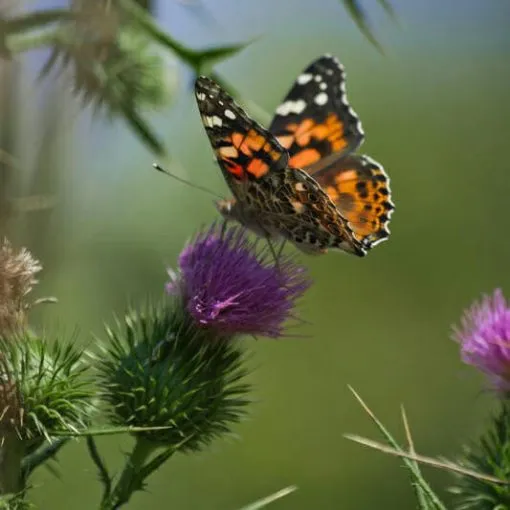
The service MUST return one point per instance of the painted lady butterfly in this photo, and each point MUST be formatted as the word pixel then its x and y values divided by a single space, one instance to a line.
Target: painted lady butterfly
pixel 299 180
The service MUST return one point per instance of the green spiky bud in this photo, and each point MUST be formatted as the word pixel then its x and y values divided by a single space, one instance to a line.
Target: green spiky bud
pixel 160 369
pixel 14 502
pixel 490 456
pixel 46 390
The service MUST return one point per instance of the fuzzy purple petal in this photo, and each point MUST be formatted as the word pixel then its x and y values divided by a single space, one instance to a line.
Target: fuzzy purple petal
pixel 484 337
pixel 230 286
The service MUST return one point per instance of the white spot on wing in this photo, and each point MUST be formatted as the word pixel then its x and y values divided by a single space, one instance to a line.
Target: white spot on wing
pixel 318 78
pixel 200 96
pixel 213 121
pixel 230 114
pixel 291 107
pixel 321 98
pixel 304 78
pixel 323 86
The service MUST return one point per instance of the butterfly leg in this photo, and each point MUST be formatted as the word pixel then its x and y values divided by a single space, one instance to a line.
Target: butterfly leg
pixel 276 253
pixel 223 229
pixel 273 252
pixel 280 251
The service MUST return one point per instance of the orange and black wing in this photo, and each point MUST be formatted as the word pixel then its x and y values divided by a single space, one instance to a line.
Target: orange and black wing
pixel 244 149
pixel 360 189
pixel 315 120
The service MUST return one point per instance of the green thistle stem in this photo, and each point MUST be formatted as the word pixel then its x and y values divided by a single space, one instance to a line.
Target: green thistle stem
pixel 11 456
pixel 41 455
pixel 130 479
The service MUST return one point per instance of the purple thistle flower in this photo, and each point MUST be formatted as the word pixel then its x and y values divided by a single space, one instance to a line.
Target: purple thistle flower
pixel 230 286
pixel 484 337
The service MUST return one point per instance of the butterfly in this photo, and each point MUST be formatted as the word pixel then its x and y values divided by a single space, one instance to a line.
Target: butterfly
pixel 299 179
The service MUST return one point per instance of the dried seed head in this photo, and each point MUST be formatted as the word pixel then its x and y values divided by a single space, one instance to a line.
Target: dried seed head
pixel 17 278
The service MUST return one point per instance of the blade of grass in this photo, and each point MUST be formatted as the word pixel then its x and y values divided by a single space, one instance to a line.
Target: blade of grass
pixel 261 503
pixel 416 473
pixel 420 493
pixel 422 459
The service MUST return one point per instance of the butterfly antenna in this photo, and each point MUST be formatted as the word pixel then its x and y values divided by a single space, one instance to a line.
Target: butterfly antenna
pixel 184 181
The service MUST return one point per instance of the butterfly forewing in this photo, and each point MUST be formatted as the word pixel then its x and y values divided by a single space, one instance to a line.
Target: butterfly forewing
pixel 243 148
pixel 315 120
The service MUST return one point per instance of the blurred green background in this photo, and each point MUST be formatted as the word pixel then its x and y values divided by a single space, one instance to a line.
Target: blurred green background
pixel 436 112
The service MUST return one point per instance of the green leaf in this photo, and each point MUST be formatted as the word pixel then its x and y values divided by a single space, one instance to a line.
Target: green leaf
pixel 145 21
pixel 204 60
pixel 143 131
pixel 148 5
pixel 360 17
pixel 195 59
pixel 388 8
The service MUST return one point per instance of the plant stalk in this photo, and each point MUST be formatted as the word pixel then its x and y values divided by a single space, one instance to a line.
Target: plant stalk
pixel 11 456
pixel 129 481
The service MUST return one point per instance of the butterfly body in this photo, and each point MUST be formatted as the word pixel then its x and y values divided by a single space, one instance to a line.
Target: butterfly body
pixel 299 180
pixel 300 212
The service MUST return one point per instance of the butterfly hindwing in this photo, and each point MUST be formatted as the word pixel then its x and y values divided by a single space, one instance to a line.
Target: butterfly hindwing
pixel 360 189
pixel 315 120
pixel 316 224
pixel 245 150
